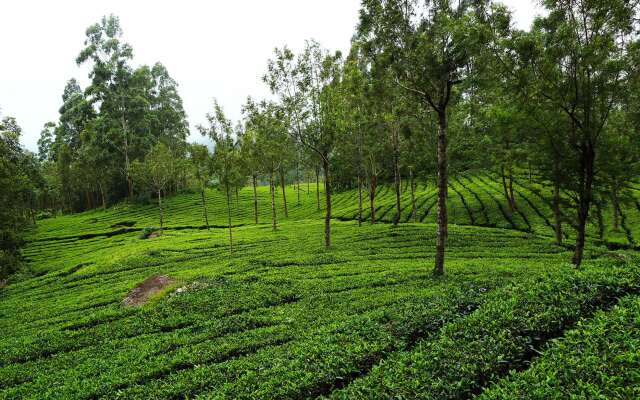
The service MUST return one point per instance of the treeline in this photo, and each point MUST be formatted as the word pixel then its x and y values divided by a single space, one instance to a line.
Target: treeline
pixel 20 182
pixel 103 129
pixel 428 89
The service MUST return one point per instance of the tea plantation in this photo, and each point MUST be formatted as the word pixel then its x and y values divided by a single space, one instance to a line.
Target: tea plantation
pixel 282 317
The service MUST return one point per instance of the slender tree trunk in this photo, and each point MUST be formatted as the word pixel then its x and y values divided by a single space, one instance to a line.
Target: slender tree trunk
pixel 359 199
pixel 557 215
pixel 161 211
pixel 127 162
pixel 254 179
pixel 372 197
pixel 327 196
pixel 587 161
pixel 505 188
pixel 87 197
pixel 272 190
pixel 616 210
pixel 414 210
pixel 204 208
pixel 600 222
pixel 512 198
pixel 102 196
pixel 396 176
pixel 237 198
pixel 228 193
pixel 442 232
pixel 284 193
pixel 318 187
pixel 298 182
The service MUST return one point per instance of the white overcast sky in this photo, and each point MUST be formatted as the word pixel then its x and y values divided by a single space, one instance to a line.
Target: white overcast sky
pixel 213 49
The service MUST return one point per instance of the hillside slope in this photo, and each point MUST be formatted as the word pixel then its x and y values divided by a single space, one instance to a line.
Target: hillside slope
pixel 283 317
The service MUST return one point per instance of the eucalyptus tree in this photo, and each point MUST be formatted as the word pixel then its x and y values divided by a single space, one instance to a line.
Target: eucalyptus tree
pixel 432 46
pixel 580 59
pixel 308 87
pixel 227 161
pixel 202 168
pixel 110 78
pixel 133 107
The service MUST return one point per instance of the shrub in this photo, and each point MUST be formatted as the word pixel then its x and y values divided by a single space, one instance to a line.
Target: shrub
pixel 502 335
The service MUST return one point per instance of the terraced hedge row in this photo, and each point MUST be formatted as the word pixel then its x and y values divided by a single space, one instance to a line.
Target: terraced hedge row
pixel 501 336
pixel 599 359
pixel 282 317
pixel 474 200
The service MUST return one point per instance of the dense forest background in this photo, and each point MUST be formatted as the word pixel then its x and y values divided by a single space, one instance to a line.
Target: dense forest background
pixel 428 90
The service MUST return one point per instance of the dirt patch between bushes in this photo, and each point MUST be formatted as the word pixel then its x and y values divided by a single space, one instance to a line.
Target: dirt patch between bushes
pixel 143 291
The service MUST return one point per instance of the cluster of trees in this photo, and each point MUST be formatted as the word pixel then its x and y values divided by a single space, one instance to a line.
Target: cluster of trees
pixel 21 182
pixel 88 155
pixel 436 87
pixel 429 88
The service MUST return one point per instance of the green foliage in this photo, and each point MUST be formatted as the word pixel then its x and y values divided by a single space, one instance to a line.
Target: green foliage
pixel 599 358
pixel 20 179
pixel 502 335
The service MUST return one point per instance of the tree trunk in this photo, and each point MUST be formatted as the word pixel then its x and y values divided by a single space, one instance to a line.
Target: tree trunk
pixel 442 231
pixel 557 215
pixel 237 198
pixel 87 197
pixel 298 182
pixel 587 161
pixel 272 191
pixel 600 222
pixel 327 196
pixel 284 193
pixel 616 211
pixel 255 197
pixel 414 210
pixel 512 198
pixel 204 208
pixel 229 219
pixel 372 197
pixel 318 187
pixel 161 211
pixel 396 176
pixel 505 188
pixel 127 162
pixel 102 196
pixel 359 199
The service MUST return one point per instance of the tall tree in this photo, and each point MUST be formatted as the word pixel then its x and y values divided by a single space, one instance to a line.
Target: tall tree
pixel 431 46
pixel 202 168
pixel 156 172
pixel 580 58
pixel 266 123
pixel 308 86
pixel 227 162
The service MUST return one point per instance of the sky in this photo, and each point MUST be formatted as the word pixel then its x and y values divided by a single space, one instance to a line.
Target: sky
pixel 213 49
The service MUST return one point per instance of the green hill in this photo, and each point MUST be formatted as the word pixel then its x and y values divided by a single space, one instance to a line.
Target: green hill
pixel 283 317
